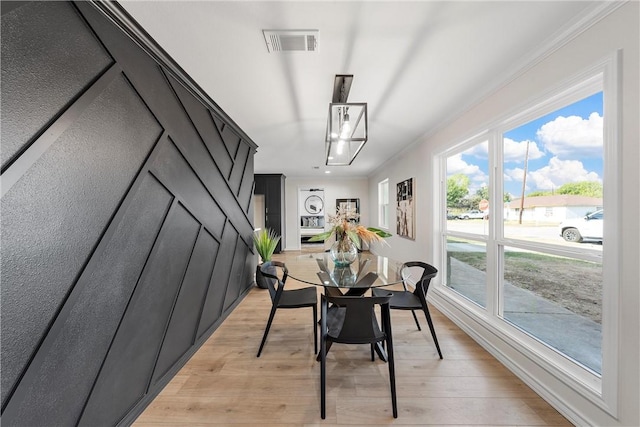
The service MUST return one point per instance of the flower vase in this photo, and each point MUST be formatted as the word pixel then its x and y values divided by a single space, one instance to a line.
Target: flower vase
pixel 343 252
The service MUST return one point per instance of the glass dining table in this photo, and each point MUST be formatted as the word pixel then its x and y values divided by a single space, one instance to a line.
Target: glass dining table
pixel 368 271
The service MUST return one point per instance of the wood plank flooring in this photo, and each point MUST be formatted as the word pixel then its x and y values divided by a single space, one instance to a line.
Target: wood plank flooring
pixel 226 384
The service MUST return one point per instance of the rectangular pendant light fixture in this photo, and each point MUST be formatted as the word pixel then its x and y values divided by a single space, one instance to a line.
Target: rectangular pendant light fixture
pixel 346 126
pixel 346 132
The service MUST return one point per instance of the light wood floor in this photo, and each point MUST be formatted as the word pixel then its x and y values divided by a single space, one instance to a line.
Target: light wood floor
pixel 225 384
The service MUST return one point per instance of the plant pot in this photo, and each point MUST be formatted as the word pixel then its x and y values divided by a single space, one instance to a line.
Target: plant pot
pixel 261 281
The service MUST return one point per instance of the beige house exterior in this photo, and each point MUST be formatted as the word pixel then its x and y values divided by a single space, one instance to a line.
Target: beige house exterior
pixel 552 209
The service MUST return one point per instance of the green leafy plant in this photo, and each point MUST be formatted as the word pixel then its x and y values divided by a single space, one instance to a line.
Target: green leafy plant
pixel 265 241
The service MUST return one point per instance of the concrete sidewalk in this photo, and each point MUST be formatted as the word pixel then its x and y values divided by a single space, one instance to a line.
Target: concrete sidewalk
pixel 576 336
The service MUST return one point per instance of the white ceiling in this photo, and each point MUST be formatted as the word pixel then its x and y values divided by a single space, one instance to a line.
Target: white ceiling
pixel 417 64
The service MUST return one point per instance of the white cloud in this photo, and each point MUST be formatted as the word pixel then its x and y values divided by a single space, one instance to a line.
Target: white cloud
pixel 455 165
pixel 515 151
pixel 573 136
pixel 559 172
pixel 514 174
pixel 479 150
pixel 478 178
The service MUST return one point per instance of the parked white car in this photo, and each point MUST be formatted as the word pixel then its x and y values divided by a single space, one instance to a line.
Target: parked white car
pixel 586 228
pixel 473 214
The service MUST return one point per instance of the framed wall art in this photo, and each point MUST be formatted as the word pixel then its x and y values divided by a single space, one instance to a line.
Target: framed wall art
pixel 405 209
pixel 349 205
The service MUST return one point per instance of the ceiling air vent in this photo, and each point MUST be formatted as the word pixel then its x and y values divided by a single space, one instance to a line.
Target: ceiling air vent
pixel 291 40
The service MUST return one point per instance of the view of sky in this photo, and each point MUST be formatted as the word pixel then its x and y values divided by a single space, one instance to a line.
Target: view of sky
pixel 564 146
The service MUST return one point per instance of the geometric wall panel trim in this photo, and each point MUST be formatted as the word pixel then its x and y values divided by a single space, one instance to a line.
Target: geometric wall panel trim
pixel 54 215
pixel 127 230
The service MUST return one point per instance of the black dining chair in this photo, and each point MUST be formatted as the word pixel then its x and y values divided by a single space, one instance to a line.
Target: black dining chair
pixel 353 321
pixel 416 300
pixel 294 298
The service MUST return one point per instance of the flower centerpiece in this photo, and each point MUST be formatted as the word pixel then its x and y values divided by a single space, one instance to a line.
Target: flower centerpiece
pixel 349 235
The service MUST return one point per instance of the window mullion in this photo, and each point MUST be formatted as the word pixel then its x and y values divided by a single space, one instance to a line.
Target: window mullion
pixel 495 217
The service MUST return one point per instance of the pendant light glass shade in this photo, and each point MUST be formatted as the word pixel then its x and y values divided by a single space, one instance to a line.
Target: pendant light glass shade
pixel 346 132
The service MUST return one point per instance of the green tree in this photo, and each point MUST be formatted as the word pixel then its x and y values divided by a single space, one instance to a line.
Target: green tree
pixel 466 204
pixel 483 192
pixel 473 201
pixel 582 188
pixel 457 189
pixel 538 193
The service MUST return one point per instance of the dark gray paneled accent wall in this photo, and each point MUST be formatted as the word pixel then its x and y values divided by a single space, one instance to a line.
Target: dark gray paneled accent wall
pixel 214 301
pixel 38 96
pixel 126 216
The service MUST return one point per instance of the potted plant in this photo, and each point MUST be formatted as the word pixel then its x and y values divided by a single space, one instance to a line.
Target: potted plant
pixel 265 242
pixel 349 234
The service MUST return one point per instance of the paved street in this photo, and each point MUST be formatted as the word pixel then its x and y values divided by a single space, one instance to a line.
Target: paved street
pixel 537 233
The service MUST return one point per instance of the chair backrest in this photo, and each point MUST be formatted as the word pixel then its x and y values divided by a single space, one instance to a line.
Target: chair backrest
pixel 356 323
pixel 428 273
pixel 276 271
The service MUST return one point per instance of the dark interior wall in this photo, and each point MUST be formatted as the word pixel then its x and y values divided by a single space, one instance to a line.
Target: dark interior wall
pixel 126 226
pixel 272 186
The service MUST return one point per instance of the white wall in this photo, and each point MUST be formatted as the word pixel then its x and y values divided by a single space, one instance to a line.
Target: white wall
pixel 334 188
pixel 411 164
pixel 619 30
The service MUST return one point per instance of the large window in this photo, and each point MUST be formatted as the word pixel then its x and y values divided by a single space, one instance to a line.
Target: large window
pixel 383 204
pixel 553 168
pixel 467 194
pixel 524 233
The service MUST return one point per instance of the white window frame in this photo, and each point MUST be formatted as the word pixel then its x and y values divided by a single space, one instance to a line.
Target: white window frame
pixel 483 238
pixel 599 389
pixel 383 204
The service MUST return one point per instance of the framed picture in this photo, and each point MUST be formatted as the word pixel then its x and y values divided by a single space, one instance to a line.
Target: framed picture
pixel 350 205
pixel 405 209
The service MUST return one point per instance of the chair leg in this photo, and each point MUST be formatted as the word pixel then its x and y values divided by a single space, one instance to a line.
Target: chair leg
pixel 416 319
pixel 326 349
pixel 379 347
pixel 323 362
pixel 392 375
pixel 315 330
pixel 433 330
pixel 266 330
pixel 323 358
pixel 392 380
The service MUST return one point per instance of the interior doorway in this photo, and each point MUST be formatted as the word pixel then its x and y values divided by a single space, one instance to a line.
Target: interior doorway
pixel 311 208
pixel 259 211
